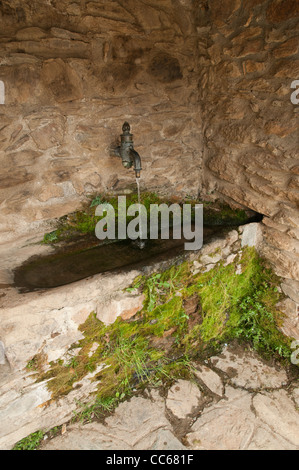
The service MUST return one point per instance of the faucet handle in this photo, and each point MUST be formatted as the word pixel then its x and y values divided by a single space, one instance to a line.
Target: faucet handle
pixel 126 128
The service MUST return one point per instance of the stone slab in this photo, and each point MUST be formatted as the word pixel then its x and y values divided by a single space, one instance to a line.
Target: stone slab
pixel 183 397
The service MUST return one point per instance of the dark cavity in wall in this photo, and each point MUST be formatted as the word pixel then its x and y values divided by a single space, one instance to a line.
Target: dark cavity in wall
pixel 165 68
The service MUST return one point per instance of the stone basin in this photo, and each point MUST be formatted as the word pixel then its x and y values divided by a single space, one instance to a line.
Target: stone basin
pixel 79 258
pixel 89 257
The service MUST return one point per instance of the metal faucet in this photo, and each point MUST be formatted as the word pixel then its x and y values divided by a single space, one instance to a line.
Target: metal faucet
pixel 126 150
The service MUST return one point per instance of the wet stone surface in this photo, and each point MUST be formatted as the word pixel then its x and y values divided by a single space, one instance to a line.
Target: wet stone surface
pixel 69 265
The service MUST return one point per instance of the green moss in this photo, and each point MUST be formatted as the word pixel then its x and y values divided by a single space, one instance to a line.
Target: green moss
pixel 174 369
pixel 30 442
pixel 243 306
pixel 159 343
pixel 83 222
pixel 222 214
pixel 37 362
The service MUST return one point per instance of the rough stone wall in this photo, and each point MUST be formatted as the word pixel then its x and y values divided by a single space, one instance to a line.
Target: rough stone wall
pixel 248 61
pixel 73 72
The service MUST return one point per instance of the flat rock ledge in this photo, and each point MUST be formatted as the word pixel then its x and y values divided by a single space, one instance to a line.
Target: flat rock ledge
pixel 236 402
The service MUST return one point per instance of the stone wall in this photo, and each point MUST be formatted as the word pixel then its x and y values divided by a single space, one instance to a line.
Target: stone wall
pixel 248 59
pixel 73 73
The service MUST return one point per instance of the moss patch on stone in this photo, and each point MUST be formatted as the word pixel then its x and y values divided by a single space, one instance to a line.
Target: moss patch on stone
pixel 222 214
pixel 83 222
pixel 185 317
pixel 30 442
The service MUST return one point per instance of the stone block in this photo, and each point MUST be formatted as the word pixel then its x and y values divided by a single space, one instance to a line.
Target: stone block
pixel 183 398
pixel 124 305
pixel 224 167
pixel 284 264
pixel 252 66
pixel 210 431
pixel 221 11
pixel 18 177
pixel 48 192
pixel 287 216
pixel 281 240
pixel 210 379
pixel 287 69
pixel 47 132
pixel 253 46
pixel 276 409
pixel 287 48
pixel 136 425
pixel 290 323
pixel 62 80
pixel 32 33
pixel 291 289
pixel 276 127
pixel 249 372
pixel 248 33
pixel 282 10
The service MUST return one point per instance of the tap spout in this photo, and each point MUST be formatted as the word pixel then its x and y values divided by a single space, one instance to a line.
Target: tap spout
pixel 126 151
pixel 136 162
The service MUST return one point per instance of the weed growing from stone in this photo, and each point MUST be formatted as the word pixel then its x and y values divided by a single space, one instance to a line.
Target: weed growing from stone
pixel 86 412
pixel 30 442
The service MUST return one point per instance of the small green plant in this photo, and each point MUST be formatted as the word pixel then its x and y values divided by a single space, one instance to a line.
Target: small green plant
pixel 138 282
pixel 96 201
pixel 154 286
pixel 51 237
pixel 171 370
pixel 72 363
pixel 36 363
pixel 53 432
pixel 160 286
pixel 258 325
pixel 30 442
pixel 32 364
pixel 86 412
